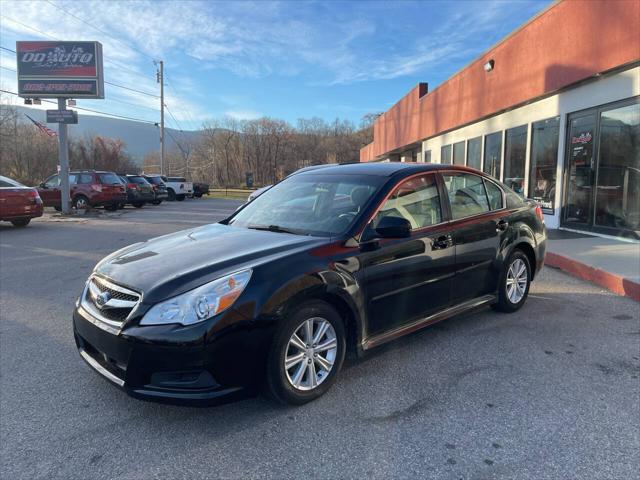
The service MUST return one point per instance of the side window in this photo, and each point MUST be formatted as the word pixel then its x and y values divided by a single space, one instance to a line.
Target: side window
pixel 85 179
pixel 417 200
pixel 73 178
pixel 52 181
pixel 494 193
pixel 467 194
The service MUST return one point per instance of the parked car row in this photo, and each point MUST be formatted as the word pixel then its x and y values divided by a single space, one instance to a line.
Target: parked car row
pixel 93 188
pixel 90 189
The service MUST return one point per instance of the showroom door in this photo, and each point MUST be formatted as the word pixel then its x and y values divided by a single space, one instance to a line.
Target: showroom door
pixel 602 176
pixel 580 174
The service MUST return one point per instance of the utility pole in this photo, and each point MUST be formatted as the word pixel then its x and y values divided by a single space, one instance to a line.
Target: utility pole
pixel 160 77
pixel 63 155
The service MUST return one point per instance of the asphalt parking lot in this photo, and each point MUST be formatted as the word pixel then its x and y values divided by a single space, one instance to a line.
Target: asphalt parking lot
pixel 549 392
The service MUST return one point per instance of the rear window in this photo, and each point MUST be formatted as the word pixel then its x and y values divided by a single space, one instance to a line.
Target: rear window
pixel 154 180
pixel 138 180
pixel 7 182
pixel 177 179
pixel 109 178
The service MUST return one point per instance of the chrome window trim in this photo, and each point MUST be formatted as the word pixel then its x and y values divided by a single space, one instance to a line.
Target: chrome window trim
pixel 483 178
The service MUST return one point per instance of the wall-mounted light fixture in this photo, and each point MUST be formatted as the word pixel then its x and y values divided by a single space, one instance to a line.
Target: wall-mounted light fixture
pixel 71 102
pixel 27 101
pixel 36 101
pixel 489 65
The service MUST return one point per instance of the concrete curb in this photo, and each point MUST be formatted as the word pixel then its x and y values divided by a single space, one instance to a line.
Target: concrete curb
pixel 615 283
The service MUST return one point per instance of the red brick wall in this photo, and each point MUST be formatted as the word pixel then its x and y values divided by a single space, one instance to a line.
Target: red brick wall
pixel 571 41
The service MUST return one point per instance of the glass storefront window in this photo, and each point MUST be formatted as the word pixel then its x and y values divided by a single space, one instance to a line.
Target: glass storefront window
pixel 445 154
pixel 474 152
pixel 544 162
pixel 618 175
pixel 515 155
pixel 458 153
pixel 493 154
pixel 427 156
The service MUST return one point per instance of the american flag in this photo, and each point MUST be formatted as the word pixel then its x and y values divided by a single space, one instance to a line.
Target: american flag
pixel 43 128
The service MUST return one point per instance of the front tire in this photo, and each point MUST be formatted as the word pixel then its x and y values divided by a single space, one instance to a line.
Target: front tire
pixel 81 203
pixel 156 202
pixel 172 195
pixel 306 354
pixel 138 204
pixel 180 198
pixel 514 283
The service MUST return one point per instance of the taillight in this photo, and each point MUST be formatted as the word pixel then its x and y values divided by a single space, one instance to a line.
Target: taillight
pixel 97 187
pixel 33 194
pixel 155 187
pixel 132 186
pixel 539 213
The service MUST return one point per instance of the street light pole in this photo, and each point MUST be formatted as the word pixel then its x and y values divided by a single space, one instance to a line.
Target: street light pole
pixel 63 155
pixel 161 82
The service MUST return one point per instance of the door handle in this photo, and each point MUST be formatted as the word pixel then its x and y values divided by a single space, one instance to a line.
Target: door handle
pixel 502 226
pixel 442 242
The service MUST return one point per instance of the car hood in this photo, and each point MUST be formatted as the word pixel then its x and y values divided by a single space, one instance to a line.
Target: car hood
pixel 172 264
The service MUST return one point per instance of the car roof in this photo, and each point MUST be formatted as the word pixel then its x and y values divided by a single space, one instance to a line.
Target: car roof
pixel 386 169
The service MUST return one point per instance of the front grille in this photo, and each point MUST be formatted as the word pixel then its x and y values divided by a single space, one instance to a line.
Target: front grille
pixel 109 302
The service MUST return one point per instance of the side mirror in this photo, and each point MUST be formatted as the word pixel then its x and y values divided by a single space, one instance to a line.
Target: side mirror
pixel 42 185
pixel 393 227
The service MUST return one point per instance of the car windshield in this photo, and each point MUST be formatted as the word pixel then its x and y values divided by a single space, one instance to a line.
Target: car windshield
pixel 154 180
pixel 310 204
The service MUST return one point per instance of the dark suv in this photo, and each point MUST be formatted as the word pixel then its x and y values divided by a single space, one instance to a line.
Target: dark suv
pixel 159 188
pixel 88 188
pixel 139 191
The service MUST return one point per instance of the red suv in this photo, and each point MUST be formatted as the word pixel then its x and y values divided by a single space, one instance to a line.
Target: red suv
pixel 88 188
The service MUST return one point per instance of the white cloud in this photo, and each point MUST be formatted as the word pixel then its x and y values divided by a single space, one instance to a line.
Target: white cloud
pixel 243 114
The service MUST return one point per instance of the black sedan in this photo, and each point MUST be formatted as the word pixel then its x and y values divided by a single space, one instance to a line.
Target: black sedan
pixel 328 260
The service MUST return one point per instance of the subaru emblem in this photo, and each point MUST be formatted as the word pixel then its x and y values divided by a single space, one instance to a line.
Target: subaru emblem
pixel 102 299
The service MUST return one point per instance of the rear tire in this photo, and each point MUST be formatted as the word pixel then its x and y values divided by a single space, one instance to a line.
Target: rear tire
pixel 138 204
pixel 281 381
pixel 21 222
pixel 111 208
pixel 514 283
pixel 58 209
pixel 172 195
pixel 180 198
pixel 156 202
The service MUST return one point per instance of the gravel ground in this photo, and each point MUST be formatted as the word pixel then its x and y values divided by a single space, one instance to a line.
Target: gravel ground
pixel 551 392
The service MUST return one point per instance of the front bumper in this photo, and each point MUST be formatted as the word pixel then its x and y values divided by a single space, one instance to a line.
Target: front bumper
pixel 157 365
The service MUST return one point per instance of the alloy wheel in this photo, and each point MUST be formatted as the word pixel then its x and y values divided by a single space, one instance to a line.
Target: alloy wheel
pixel 81 203
pixel 310 353
pixel 517 279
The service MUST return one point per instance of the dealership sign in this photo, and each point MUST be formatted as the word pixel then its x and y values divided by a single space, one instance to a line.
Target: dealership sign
pixel 60 69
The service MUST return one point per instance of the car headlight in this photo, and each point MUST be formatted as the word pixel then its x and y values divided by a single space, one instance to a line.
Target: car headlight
pixel 200 303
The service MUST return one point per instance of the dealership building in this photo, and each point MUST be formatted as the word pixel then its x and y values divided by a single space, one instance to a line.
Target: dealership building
pixel 553 111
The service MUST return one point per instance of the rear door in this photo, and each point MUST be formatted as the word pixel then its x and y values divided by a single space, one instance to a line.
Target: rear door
pixel 410 278
pixel 479 222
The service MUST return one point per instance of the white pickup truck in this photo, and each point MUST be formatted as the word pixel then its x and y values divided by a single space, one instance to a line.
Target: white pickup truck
pixel 178 188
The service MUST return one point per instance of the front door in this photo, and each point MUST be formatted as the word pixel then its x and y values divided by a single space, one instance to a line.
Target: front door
pixel 602 186
pixel 410 278
pixel 49 191
pixel 580 169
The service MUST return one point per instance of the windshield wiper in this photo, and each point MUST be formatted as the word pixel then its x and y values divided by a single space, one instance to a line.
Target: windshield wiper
pixel 274 228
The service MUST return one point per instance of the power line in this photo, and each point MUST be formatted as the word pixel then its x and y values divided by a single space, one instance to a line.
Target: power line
pixel 92 110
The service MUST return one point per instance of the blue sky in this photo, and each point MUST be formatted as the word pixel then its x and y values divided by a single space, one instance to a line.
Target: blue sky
pixel 280 59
